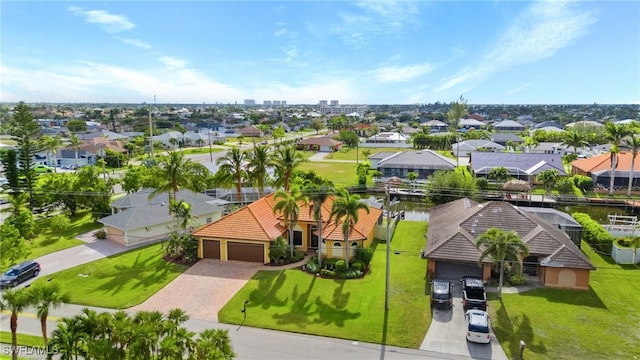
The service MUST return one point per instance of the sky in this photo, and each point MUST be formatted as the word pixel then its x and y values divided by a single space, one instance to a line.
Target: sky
pixel 356 52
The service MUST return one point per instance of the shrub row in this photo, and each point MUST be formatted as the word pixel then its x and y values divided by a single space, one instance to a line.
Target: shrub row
pixel 335 268
pixel 593 233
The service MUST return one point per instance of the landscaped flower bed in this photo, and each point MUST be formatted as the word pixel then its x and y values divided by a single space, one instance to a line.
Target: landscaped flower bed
pixel 622 253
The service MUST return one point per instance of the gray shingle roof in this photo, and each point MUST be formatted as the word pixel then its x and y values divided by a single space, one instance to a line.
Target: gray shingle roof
pixel 454 227
pixel 423 159
pixel 504 137
pixel 530 163
pixel 141 198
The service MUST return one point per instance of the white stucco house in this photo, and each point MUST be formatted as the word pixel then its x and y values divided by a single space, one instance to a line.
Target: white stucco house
pixel 137 218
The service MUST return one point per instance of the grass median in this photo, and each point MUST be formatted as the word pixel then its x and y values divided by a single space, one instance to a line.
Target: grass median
pixel 601 323
pixel 118 281
pixel 292 300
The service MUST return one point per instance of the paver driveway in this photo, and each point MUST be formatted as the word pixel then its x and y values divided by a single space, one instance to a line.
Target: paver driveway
pixel 203 289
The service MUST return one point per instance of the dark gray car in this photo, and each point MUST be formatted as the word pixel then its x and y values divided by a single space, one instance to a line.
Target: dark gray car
pixel 19 273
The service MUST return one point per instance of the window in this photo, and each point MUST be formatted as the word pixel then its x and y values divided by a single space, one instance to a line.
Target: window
pixel 297 238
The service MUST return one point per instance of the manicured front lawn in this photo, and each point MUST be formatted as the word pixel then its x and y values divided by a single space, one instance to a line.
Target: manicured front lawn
pixel 119 281
pixel 342 174
pixel 201 150
pixel 292 300
pixel 601 323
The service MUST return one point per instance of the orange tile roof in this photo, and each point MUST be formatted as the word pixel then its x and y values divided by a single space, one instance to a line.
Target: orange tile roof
pixel 603 162
pixel 257 221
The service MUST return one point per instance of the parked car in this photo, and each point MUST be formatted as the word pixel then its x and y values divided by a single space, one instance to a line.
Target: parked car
pixel 441 293
pixel 473 294
pixel 19 273
pixel 43 169
pixel 477 325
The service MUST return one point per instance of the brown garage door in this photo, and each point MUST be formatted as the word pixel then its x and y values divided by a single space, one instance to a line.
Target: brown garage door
pixel 245 252
pixel 211 249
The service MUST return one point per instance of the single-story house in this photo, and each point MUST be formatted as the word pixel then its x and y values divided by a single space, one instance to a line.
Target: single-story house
pixel 246 234
pixel 598 168
pixel 547 148
pixel 548 124
pixel 471 124
pixel 88 152
pixel 464 148
pixel 388 138
pixel 322 144
pixel 521 166
pixel 504 138
pixel 455 226
pixel 137 218
pixel 584 123
pixel 435 126
pixel 423 162
pixel 250 131
pixel 508 125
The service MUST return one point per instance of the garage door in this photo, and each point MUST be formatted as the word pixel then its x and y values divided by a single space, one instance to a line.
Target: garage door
pixel 211 249
pixel 245 252
pixel 447 270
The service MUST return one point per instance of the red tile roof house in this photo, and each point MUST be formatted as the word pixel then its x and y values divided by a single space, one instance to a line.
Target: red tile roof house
pixel 246 234
pixel 322 144
pixel 598 168
pixel 455 226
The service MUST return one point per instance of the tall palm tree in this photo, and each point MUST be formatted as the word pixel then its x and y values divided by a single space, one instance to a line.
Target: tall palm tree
pixel 615 134
pixel 634 144
pixel 501 246
pixel 232 167
pixel 317 195
pixel 345 209
pixel 182 212
pixel 575 139
pixel 14 300
pixel 44 297
pixel 51 145
pixel 288 205
pixel 258 162
pixel 285 160
pixel 75 144
pixel 214 344
pixel 68 338
pixel 173 174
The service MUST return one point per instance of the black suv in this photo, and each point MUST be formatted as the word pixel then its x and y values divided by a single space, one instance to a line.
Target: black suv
pixel 441 293
pixel 19 273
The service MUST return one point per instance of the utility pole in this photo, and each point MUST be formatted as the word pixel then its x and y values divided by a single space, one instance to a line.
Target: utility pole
pixel 386 295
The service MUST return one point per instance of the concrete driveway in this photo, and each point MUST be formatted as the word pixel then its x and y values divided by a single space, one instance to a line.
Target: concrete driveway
pixel 203 289
pixel 447 333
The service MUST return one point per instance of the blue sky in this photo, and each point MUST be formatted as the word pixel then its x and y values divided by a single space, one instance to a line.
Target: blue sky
pixel 364 52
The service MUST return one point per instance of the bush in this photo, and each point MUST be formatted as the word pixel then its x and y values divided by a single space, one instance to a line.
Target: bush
pixel 352 274
pixel 364 254
pixel 341 266
pixel 327 273
pixel 330 264
pixel 311 267
pixel 297 256
pixel 565 186
pixel 583 183
pixel 358 265
pixel 593 233
pixel 101 234
pixel 516 280
pixel 278 251
pixel 482 183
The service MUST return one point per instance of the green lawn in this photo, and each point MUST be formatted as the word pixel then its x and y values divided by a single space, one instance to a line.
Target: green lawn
pixel 342 174
pixel 292 300
pixel 602 323
pixel 119 281
pixel 23 339
pixel 201 150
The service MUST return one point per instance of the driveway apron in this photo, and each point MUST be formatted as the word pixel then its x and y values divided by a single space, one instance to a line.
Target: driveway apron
pixel 447 333
pixel 203 289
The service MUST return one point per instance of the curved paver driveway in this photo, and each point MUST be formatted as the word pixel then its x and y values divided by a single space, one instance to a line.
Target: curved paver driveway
pixel 203 289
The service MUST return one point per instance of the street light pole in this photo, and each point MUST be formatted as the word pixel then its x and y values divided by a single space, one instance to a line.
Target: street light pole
pixel 386 295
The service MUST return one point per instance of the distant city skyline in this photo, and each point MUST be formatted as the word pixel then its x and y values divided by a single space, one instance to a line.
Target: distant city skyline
pixel 301 52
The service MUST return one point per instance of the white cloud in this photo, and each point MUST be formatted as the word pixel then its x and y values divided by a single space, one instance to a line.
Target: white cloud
pixel 538 33
pixel 173 62
pixel 108 22
pixel 280 32
pixel 135 42
pixel 401 73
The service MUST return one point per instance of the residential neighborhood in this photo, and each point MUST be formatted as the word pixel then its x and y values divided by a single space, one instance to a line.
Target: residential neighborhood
pixel 322 230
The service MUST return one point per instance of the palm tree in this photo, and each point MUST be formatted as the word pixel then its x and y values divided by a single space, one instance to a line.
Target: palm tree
pixel 214 344
pixel 182 212
pixel 549 178
pixel 575 139
pixel 258 163
pixel 232 167
pixel 285 160
pixel 615 134
pixel 287 204
pixel 173 174
pixel 634 143
pixel 18 203
pixel 501 246
pixel 346 208
pixel 456 112
pixel 500 174
pixel 75 144
pixel 317 195
pixel 14 300
pixel 44 297
pixel 52 144
pixel 68 338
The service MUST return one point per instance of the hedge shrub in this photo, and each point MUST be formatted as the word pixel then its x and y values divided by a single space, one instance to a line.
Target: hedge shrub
pixel 593 233
pixel 583 183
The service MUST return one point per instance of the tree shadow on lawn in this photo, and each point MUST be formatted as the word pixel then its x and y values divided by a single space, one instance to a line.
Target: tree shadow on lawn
pixel 300 311
pixel 572 297
pixel 269 283
pixel 510 332
pixel 328 314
